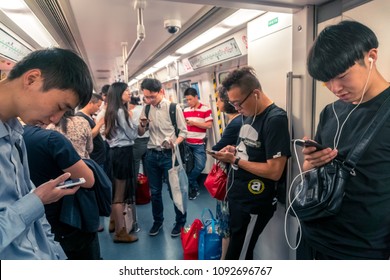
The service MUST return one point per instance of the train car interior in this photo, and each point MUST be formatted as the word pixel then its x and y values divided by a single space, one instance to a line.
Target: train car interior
pixel 194 43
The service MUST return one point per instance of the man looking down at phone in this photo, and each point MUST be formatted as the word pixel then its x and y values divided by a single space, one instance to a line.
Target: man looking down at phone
pixel 159 154
pixel 258 161
pixel 198 118
pixel 39 89
pixel 344 57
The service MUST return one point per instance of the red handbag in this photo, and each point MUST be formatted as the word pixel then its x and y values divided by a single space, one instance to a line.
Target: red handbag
pixel 142 192
pixel 190 239
pixel 216 181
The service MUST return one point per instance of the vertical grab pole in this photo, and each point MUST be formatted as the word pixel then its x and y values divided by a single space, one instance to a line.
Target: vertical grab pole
pixel 125 69
pixel 289 110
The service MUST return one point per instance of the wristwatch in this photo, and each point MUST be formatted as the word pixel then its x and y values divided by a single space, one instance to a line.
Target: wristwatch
pixel 235 164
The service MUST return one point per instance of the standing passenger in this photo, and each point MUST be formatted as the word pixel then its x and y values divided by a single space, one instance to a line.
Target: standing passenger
pixel 229 137
pixel 120 134
pixel 258 161
pixel 159 154
pixel 77 130
pixel 98 153
pixel 198 119
pixel 344 57
pixel 39 89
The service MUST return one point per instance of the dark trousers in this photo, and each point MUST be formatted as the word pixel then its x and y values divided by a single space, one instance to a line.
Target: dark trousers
pixel 158 163
pixel 245 229
pixel 81 245
pixel 306 252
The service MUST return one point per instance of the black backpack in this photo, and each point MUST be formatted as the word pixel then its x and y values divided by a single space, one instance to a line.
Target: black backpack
pixel 185 151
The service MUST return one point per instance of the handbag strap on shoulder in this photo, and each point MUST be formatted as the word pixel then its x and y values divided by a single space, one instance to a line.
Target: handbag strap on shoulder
pixel 377 122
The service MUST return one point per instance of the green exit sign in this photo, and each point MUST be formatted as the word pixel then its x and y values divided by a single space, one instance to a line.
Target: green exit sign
pixel 273 22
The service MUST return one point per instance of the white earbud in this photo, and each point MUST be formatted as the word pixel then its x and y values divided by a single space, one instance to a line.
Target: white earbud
pixel 256 96
pixel 371 60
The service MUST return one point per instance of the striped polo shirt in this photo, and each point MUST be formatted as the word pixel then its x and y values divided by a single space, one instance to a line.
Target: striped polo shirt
pixel 196 134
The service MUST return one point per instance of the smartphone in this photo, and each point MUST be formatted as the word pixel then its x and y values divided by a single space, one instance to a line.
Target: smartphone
pixel 68 184
pixel 308 143
pixel 211 152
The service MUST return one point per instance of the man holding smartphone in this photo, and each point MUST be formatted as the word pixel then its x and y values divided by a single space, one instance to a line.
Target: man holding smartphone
pixel 159 154
pixel 258 161
pixel 344 57
pixel 198 118
pixel 39 89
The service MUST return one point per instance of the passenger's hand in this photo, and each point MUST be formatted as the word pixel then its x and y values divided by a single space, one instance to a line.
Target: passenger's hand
pixel 100 123
pixel 49 193
pixel 225 155
pixel 314 158
pixel 144 121
pixel 190 123
pixel 229 149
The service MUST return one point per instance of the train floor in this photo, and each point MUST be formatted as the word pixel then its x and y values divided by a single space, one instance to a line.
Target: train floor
pixel 162 246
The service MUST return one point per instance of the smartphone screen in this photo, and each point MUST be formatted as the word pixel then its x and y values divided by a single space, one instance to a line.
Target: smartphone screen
pixel 308 143
pixel 71 183
pixel 211 152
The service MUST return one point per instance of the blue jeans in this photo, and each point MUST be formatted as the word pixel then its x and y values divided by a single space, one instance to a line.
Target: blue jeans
pixel 199 164
pixel 157 164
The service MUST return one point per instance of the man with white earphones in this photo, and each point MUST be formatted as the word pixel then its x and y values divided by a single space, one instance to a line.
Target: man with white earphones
pixel 344 57
pixel 258 161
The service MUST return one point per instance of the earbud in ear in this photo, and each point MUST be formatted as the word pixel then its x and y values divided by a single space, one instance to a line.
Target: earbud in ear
pixel 371 60
pixel 256 96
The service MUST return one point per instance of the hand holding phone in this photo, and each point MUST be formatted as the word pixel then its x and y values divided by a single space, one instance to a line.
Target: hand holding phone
pixel 308 143
pixel 71 183
pixel 211 152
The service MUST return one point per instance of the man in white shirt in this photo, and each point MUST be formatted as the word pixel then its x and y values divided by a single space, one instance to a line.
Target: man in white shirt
pixel 159 154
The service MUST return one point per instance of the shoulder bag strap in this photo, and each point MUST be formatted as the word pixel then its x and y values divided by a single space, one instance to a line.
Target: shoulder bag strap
pixel 377 122
pixel 147 109
pixel 172 115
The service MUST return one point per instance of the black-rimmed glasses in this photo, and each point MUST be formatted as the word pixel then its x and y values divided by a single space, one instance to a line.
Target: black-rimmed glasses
pixel 238 104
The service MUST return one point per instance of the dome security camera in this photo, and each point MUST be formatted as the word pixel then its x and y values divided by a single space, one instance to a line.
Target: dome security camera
pixel 172 25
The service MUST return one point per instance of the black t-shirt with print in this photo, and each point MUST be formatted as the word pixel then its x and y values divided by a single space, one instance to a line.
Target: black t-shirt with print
pixel 361 230
pixel 266 138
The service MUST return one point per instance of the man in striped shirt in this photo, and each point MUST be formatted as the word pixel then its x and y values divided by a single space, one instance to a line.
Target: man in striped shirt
pixel 199 119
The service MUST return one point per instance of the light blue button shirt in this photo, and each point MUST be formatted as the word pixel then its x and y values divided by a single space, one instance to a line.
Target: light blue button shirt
pixel 24 230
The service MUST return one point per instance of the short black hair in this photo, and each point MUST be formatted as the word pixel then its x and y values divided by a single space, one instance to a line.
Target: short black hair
pixel 338 47
pixel 153 85
pixel 105 89
pixel 61 69
pixel 191 91
pixel 95 98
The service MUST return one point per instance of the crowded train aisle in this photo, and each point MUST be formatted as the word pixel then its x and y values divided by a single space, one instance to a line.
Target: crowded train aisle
pixel 161 246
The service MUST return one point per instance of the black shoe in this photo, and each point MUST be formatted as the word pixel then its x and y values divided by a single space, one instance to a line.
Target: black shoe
pixel 193 194
pixel 155 229
pixel 176 231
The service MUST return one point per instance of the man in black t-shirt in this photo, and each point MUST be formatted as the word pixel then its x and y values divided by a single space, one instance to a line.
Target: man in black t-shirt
pixel 344 57
pixel 51 154
pixel 258 161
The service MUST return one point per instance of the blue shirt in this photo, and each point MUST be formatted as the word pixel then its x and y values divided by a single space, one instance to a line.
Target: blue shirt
pixel 24 230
